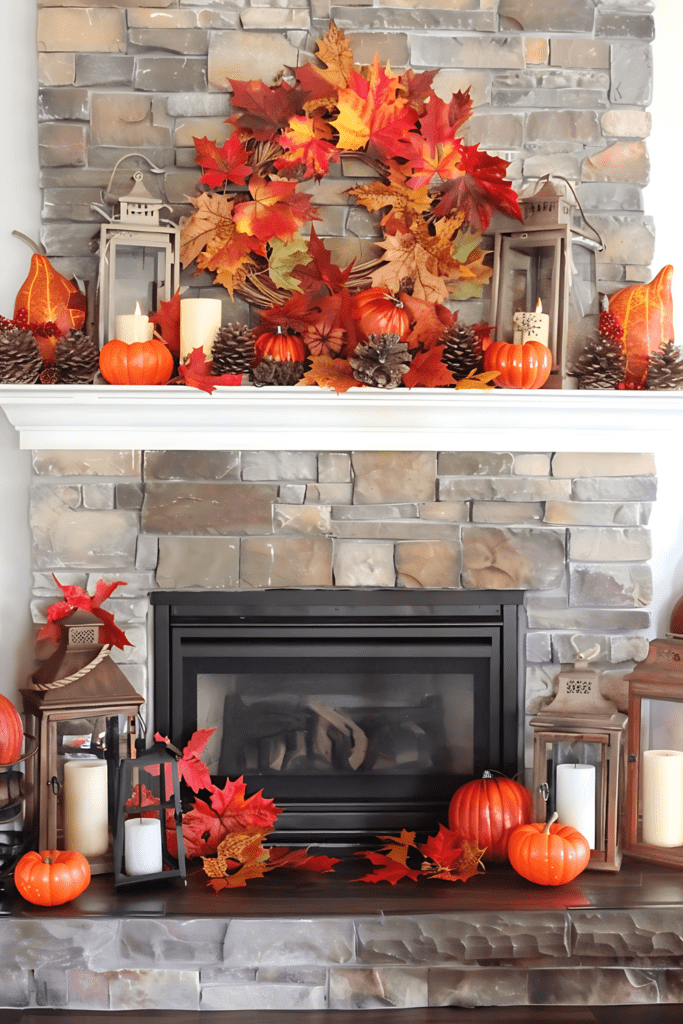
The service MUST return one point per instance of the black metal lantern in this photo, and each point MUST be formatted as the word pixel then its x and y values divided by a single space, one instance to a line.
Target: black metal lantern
pixel 547 264
pixel 148 809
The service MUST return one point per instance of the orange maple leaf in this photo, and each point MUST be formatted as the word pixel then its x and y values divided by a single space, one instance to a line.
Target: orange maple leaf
pixel 427 370
pixel 277 210
pixel 388 869
pixel 227 163
pixel 479 381
pixel 407 255
pixel 326 372
pixel 429 321
pixel 212 217
pixel 334 51
pixel 372 111
pixel 307 142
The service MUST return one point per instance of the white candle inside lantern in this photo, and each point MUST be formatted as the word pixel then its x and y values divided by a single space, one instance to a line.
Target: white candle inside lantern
pixel 132 328
pixel 142 846
pixel 575 798
pixel 200 320
pixel 662 797
pixel 86 817
pixel 531 326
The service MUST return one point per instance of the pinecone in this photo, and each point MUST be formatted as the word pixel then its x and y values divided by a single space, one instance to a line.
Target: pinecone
pixel 463 350
pixel 233 350
pixel 77 359
pixel 20 360
pixel 273 371
pixel 601 365
pixel 382 362
pixel 665 369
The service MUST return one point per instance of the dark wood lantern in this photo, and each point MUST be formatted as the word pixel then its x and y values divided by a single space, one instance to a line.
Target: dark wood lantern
pixel 82 710
pixel 580 732
pixel 147 806
pixel 654 802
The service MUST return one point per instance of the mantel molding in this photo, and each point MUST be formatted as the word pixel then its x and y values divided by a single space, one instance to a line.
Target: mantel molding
pixel 274 418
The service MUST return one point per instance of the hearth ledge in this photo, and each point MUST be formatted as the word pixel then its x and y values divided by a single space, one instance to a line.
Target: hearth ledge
pixel 249 418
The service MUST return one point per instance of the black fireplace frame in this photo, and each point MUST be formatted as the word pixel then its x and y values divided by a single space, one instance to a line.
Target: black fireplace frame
pixel 192 629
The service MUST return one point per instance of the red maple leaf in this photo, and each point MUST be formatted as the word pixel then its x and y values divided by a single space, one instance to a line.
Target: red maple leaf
pixel 417 86
pixel 389 870
pixel 293 315
pixel 197 373
pixel 228 162
pixel 276 210
pixel 75 597
pixel 479 189
pixel 428 321
pixel 314 83
pixel 451 858
pixel 435 147
pixel 191 768
pixel 320 270
pixel 167 320
pixel 307 140
pixel 299 860
pixel 265 109
pixel 207 824
pixel 427 370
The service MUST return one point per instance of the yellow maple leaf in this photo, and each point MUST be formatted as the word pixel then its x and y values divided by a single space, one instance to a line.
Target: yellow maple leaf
pixel 369 111
pixel 399 199
pixel 334 51
pixel 478 381
pixel 284 257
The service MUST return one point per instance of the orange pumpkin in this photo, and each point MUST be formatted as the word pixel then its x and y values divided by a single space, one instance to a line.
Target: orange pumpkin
pixel 377 311
pixel 50 304
pixel 524 366
pixel 11 732
pixel 487 810
pixel 143 362
pixel 549 854
pixel 645 311
pixel 282 348
pixel 51 877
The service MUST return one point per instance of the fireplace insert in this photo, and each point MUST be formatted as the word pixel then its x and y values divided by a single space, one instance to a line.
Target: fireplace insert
pixel 358 711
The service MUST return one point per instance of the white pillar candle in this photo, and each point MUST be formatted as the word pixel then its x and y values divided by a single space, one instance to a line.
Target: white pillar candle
pixel 142 846
pixel 662 797
pixel 200 320
pixel 132 328
pixel 86 816
pixel 531 326
pixel 575 798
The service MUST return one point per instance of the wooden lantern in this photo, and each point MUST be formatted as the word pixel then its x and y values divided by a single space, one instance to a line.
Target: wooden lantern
pixel 581 728
pixel 75 706
pixel 654 801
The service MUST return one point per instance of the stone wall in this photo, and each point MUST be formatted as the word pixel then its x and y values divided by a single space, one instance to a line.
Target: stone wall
pixel 558 87
pixel 570 529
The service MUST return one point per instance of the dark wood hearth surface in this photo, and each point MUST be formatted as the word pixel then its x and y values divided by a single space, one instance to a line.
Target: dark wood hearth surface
pixel 307 894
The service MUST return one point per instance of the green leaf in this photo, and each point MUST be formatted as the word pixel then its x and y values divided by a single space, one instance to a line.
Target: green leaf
pixel 285 256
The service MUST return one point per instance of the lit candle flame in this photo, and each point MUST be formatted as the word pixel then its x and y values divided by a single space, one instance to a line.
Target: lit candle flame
pixel 539 306
pixel 138 311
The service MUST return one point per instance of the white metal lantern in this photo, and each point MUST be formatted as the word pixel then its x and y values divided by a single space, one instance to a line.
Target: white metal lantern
pixel 139 258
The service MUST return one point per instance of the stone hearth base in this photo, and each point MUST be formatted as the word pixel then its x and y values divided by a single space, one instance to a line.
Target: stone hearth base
pixel 323 942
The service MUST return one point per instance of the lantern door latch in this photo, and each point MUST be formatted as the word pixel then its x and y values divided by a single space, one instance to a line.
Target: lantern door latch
pixel 55 785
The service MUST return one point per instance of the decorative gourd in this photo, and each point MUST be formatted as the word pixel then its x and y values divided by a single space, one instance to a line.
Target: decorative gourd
pixel 51 877
pixel 525 366
pixel 11 732
pixel 548 854
pixel 376 311
pixel 282 348
pixel 487 810
pixel 143 362
pixel 50 304
pixel 645 311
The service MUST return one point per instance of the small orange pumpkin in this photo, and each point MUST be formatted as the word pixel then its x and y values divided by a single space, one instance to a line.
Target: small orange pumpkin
pixel 51 877
pixel 486 810
pixel 645 311
pixel 377 311
pixel 11 732
pixel 525 366
pixel 549 854
pixel 282 348
pixel 143 362
pixel 50 303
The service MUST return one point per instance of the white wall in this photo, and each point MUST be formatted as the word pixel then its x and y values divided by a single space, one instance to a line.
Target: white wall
pixel 20 209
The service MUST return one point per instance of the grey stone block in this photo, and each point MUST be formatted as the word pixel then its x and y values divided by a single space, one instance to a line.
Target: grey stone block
pixel 211 563
pixel 598 986
pixel 603 464
pixel 538 647
pixel 292 466
pixel 419 19
pixel 605 544
pixel 146 552
pixel 62 145
pixel 507 512
pixel 286 562
pixel 334 467
pixel 260 996
pixel 399 529
pixel 287 942
pixel 622 25
pixel 540 686
pixel 129 496
pixel 104 69
pixel 610 195
pixel 635 488
pixel 516 488
pixel 444 511
pixel 280 19
pixel 58 944
pixel 51 987
pixel 611 586
pixel 469 988
pixel 565 126
pixel 539 617
pixel 393 477
pixel 63 104
pixel 15 989
pixel 579 53
pixel 547 16
pixel 302 519
pixel 379 513
pixel 98 496
pixel 631 69
pixel 566 645
pixel 197 104
pixel 467 52
pixel 141 989
pixel 511 559
pixel 392 47
pixel 292 494
pixel 494 131
pixel 474 463
pixel 190 41
pixel 364 564
pixel 191 465
pixel 375 987
pixel 201 508
pixel 186 942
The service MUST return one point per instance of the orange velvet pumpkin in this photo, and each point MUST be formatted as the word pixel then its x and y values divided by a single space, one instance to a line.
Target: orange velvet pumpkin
pixel 143 362
pixel 525 366
pixel 50 304
pixel 377 311
pixel 51 877
pixel 487 810
pixel 645 311
pixel 282 348
pixel 11 732
pixel 549 854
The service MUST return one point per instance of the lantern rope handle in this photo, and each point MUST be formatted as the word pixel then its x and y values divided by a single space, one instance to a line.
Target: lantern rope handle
pixel 57 683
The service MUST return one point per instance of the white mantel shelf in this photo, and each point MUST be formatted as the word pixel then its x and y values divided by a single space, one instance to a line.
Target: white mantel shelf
pixel 296 418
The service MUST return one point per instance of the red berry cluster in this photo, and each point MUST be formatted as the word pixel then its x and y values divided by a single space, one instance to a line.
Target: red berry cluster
pixel 630 386
pixel 20 320
pixel 609 326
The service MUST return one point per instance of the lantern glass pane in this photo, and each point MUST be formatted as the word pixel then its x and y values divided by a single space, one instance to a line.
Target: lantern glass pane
pixel 577 775
pixel 138 274
pixel 660 778
pixel 532 270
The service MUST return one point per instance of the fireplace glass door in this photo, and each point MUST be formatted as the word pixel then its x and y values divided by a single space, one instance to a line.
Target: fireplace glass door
pixel 356 718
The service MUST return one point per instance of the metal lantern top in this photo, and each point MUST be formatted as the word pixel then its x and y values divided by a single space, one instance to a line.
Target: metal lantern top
pixel 139 206
pixel 548 207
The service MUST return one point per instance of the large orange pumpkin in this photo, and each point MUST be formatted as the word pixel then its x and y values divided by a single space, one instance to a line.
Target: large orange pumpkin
pixel 51 877
pixel 11 732
pixel 377 311
pixel 143 362
pixel 487 810
pixel 50 303
pixel 525 366
pixel 549 854
pixel 645 311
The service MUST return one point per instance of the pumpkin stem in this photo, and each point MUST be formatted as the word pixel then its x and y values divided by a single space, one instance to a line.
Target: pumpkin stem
pixel 553 819
pixel 47 860
pixel 38 248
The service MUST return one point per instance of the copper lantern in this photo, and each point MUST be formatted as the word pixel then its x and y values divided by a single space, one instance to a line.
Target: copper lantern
pixel 547 264
pixel 579 750
pixel 654 804
pixel 82 710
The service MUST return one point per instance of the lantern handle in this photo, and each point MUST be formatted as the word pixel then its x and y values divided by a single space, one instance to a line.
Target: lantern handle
pixel 106 195
pixel 57 683
pixel 547 177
